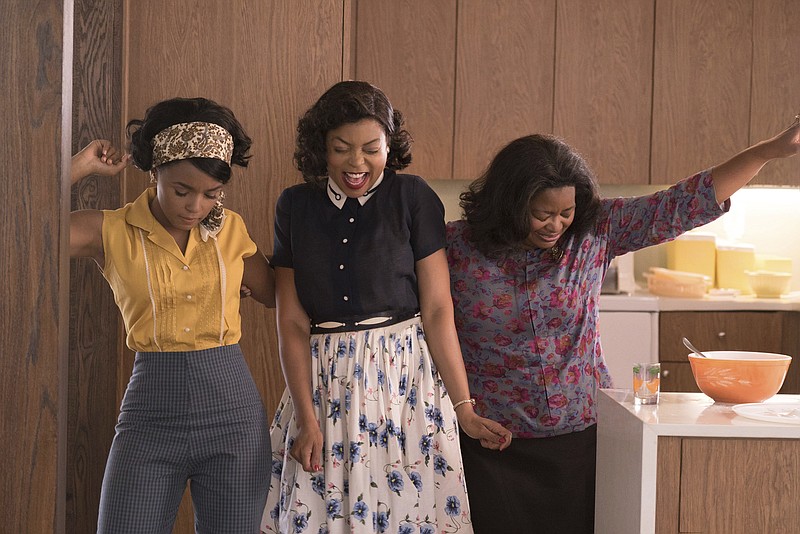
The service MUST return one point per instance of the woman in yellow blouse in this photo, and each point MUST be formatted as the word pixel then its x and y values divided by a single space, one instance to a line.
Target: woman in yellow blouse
pixel 175 260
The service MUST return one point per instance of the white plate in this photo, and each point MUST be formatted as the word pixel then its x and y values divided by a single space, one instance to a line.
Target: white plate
pixel 788 413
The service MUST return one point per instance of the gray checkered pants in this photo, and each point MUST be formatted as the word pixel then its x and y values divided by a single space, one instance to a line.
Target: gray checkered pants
pixel 188 416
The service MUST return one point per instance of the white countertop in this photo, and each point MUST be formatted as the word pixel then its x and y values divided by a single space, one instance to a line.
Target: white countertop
pixel 696 415
pixel 644 301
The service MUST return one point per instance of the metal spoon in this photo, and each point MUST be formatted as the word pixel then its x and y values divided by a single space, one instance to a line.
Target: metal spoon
pixel 689 346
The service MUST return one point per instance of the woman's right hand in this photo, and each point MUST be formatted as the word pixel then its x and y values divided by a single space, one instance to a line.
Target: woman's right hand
pixel 98 157
pixel 307 447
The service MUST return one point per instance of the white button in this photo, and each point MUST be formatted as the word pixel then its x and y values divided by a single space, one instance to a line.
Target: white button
pixel 344 240
pixel 352 219
pixel 188 297
pixel 341 267
pixel 346 297
pixel 185 267
pixel 187 329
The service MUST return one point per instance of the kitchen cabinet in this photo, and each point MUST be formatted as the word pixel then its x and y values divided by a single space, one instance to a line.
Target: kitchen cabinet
pixel 763 331
pixel 603 85
pixel 701 85
pixel 648 92
pixel 776 32
pixel 727 485
pixel 688 464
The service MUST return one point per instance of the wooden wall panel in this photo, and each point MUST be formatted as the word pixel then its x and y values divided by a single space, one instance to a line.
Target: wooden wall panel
pixel 504 88
pixel 34 313
pixel 96 334
pixel 406 48
pixel 776 80
pixel 268 61
pixel 604 84
pixel 701 99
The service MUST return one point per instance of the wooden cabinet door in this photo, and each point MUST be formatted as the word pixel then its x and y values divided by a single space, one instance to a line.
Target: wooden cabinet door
pixel 603 85
pixel 701 85
pixel 504 83
pixel 756 331
pixel 407 49
pixel 776 78
pixel 678 376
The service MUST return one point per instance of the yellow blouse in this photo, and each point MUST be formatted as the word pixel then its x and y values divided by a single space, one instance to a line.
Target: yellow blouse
pixel 172 301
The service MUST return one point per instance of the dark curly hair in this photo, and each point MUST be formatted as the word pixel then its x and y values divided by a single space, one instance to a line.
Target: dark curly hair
pixel 345 103
pixel 177 110
pixel 497 206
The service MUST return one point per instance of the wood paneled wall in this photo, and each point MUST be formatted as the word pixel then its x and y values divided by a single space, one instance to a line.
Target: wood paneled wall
pixel 33 266
pixel 96 335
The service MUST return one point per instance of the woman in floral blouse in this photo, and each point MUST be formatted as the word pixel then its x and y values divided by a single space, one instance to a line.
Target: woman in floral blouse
pixel 526 264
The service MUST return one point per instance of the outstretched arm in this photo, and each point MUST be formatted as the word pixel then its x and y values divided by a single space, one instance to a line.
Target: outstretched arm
pixel 436 306
pixel 85 226
pixel 737 172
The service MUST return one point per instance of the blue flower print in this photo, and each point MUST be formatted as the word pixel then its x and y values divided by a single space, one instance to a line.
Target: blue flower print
pixel 409 344
pixel 382 521
pixel 395 481
pixel 429 408
pixel 341 349
pixel 277 467
pixel 427 529
pixel 351 349
pixel 358 371
pixel 390 428
pixel 327 343
pixel 362 423
pixel 380 377
pixel 412 396
pixel 372 430
pixel 323 530
pixel 398 345
pixel 273 514
pixel 384 439
pixel 318 484
pixel 300 522
pixel 440 465
pixel 315 350
pixel 338 450
pixel 405 529
pixel 416 480
pixel 346 488
pixel 425 443
pixel 401 440
pixel 438 419
pixel 347 396
pixel 334 507
pixel 453 506
pixel 315 397
pixel 360 510
pixel 403 385
pixel 336 410
pixel 355 452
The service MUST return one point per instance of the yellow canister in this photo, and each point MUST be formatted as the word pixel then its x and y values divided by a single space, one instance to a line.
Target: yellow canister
pixel 771 262
pixel 693 252
pixel 732 262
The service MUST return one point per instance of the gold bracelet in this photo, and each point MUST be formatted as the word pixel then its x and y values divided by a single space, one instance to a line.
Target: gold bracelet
pixel 459 403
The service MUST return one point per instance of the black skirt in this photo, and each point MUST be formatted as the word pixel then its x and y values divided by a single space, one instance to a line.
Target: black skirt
pixel 535 485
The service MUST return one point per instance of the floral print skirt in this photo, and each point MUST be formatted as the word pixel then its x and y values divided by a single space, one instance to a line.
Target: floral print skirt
pixel 391 454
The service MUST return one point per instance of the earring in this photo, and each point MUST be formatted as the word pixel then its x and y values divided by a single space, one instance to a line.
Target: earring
pixel 214 218
pixel 153 177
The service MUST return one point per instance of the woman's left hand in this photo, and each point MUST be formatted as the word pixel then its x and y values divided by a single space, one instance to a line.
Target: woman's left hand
pixel 491 434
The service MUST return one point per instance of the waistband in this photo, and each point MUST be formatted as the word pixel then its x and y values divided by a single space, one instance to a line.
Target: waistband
pixel 354 324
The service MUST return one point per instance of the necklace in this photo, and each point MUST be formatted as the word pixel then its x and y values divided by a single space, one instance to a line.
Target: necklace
pixel 556 252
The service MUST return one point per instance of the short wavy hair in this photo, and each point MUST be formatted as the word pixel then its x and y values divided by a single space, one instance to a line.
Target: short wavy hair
pixel 177 110
pixel 497 206
pixel 345 103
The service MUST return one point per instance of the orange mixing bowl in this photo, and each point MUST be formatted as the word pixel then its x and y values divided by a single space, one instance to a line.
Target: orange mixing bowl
pixel 739 376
